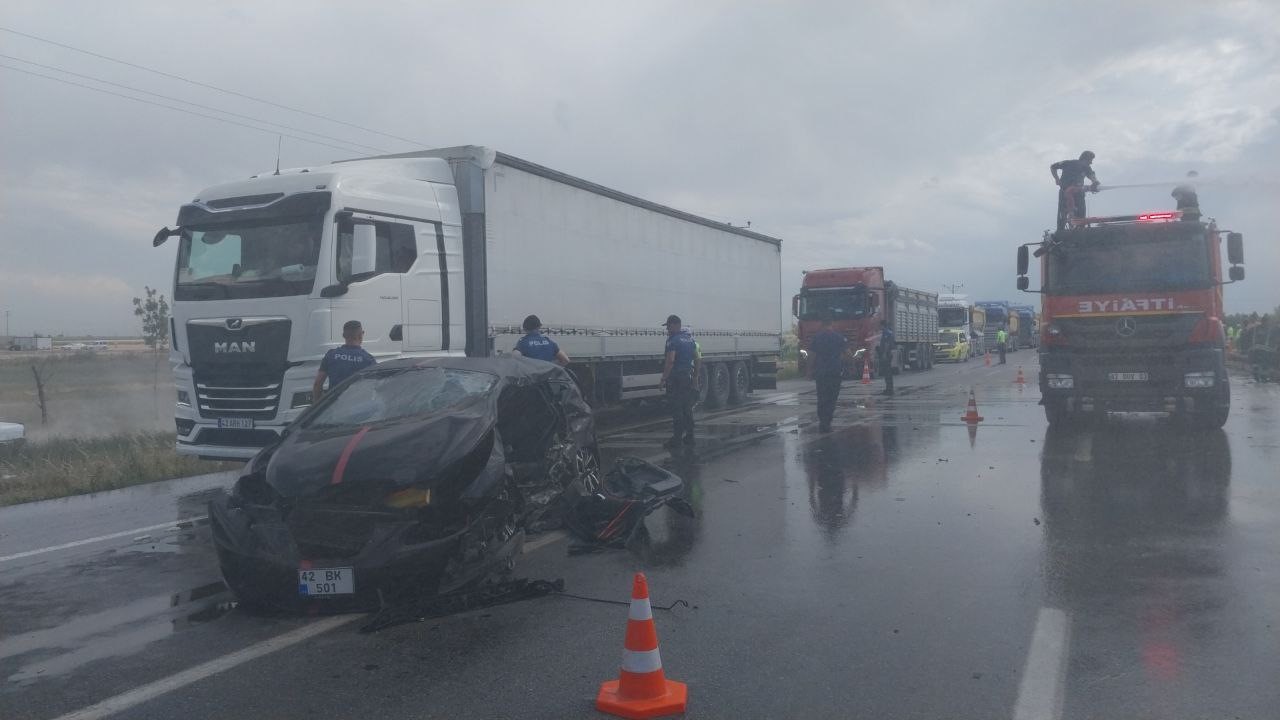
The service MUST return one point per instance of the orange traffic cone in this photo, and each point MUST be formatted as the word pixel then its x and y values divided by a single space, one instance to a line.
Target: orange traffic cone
pixel 987 362
pixel 1020 380
pixel 866 373
pixel 641 690
pixel 971 415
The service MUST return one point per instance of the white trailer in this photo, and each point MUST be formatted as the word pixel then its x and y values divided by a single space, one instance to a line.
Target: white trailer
pixel 35 342
pixel 445 252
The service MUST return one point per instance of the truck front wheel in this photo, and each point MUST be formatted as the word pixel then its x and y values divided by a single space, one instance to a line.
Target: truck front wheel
pixel 1056 413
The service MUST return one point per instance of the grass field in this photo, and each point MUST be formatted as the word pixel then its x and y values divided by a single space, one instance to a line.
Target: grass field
pixel 88 394
pixel 58 467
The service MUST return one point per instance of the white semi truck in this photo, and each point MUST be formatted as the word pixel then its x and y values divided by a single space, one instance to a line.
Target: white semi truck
pixel 444 252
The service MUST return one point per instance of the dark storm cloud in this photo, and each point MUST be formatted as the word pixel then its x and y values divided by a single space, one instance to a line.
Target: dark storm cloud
pixel 913 135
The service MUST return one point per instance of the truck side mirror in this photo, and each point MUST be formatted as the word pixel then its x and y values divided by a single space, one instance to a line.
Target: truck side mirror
pixel 1024 282
pixel 1024 260
pixel 1236 273
pixel 364 249
pixel 1235 248
pixel 795 306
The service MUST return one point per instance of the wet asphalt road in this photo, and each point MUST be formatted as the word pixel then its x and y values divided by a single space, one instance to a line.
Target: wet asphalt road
pixel 902 567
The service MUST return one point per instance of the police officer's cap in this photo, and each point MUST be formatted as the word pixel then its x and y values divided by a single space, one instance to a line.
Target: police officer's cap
pixel 672 320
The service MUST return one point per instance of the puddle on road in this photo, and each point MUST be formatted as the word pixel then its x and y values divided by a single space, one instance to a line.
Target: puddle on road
pixel 115 632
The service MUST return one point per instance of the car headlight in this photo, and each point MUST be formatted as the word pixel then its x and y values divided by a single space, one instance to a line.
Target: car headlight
pixel 301 399
pixel 1060 381
pixel 1202 379
pixel 804 353
pixel 411 497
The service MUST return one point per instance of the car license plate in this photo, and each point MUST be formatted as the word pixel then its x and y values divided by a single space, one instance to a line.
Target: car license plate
pixel 319 582
pixel 236 423
pixel 1127 377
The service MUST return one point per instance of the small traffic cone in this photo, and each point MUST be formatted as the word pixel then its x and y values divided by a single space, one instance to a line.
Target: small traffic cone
pixel 866 373
pixel 1020 380
pixel 971 415
pixel 641 690
pixel 987 362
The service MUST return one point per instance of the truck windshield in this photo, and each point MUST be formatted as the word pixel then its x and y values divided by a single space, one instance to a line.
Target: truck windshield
pixel 995 315
pixel 951 316
pixel 261 259
pixel 1126 266
pixel 836 304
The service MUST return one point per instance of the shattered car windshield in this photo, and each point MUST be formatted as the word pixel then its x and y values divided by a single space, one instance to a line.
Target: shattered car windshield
pixel 379 396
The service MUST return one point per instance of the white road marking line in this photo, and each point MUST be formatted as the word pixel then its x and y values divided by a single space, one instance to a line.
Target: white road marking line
pixel 102 538
pixel 150 691
pixel 1040 694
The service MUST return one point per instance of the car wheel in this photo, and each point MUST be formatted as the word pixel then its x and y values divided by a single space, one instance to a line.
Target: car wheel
pixel 740 383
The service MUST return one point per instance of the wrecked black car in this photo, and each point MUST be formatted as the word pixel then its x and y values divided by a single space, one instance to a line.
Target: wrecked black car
pixel 417 476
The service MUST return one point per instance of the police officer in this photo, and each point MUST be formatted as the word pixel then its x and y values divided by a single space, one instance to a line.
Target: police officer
pixel 887 342
pixel 829 349
pixel 342 362
pixel 1002 341
pixel 680 379
pixel 538 346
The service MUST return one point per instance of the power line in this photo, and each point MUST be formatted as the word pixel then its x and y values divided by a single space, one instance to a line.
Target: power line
pixel 178 109
pixel 193 104
pixel 208 86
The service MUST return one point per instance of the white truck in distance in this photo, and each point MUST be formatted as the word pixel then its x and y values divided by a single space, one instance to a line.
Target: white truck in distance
pixel 444 252
pixel 957 313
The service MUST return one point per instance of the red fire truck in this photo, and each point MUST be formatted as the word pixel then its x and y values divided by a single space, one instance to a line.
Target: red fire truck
pixel 1131 317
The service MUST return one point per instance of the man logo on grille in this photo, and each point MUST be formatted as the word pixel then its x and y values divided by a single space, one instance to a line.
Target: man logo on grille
pixel 235 323
pixel 1126 327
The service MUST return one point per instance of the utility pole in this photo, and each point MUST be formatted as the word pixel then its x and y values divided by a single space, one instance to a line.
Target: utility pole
pixel 6 324
pixel 953 287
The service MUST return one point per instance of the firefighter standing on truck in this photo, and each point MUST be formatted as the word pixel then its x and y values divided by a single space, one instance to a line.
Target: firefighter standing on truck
pixel 1069 176
pixel 680 371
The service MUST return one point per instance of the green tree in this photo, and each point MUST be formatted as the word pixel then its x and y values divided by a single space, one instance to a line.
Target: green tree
pixel 154 311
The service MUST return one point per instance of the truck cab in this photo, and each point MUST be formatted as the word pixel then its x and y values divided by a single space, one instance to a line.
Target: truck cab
pixel 1132 317
pixel 268 269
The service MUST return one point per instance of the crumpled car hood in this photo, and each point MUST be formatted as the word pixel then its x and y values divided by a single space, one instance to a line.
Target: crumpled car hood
pixel 396 453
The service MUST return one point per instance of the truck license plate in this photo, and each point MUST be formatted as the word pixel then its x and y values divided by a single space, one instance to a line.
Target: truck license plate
pixel 319 582
pixel 1127 377
pixel 236 423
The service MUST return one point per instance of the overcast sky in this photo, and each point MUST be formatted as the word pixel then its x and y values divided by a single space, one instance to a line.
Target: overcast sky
pixel 906 134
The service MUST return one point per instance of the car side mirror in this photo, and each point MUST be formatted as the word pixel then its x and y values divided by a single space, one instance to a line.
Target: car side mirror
pixel 364 249
pixel 1024 260
pixel 1236 273
pixel 1235 248
pixel 1024 282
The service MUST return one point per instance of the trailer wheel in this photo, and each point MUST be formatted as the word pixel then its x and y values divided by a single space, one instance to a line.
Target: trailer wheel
pixel 740 382
pixel 704 385
pixel 718 385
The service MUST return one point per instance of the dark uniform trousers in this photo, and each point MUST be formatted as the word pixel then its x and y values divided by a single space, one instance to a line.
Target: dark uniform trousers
pixel 828 387
pixel 682 396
